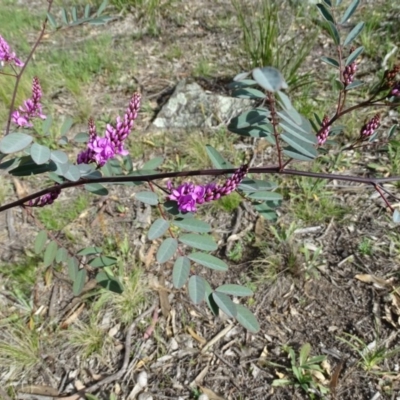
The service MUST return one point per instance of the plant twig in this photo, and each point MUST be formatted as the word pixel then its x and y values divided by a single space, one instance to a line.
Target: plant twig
pixel 273 169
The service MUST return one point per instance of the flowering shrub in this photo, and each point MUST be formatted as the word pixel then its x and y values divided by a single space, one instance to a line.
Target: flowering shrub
pixel 295 138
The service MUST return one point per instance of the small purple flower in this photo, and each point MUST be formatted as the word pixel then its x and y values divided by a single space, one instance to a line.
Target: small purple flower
pixel 395 91
pixel 323 134
pixel 101 149
pixel 45 199
pixel 349 72
pixel 189 195
pixel 31 108
pixel 370 127
pixel 7 56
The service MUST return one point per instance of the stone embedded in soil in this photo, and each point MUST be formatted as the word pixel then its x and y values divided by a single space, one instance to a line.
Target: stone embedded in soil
pixel 192 107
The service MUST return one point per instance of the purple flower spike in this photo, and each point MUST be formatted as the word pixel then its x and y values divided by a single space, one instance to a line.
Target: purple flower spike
pixel 101 149
pixel 370 127
pixel 188 195
pixel 123 127
pixel 7 56
pixel 31 108
pixel 349 71
pixel 45 200
pixel 323 134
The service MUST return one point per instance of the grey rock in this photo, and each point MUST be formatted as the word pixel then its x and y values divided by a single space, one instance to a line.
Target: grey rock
pixel 192 107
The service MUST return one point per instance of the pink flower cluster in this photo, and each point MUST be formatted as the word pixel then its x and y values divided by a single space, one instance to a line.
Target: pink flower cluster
pixel 8 56
pixel 323 134
pixel 189 195
pixel 101 149
pixel 31 108
pixel 370 127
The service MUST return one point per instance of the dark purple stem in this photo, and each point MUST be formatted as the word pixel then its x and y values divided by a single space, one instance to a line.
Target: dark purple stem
pixel 274 169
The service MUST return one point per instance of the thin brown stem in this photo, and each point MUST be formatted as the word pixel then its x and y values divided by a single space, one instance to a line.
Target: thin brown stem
pixel 378 189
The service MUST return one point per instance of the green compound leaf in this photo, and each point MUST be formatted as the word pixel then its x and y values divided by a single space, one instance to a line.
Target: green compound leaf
pixel 303 148
pixel 254 185
pixel 81 137
pixel 40 154
pixel 62 255
pixel 354 55
pixel 29 167
pixel 333 32
pixel 197 289
pixel 15 142
pixel 354 84
pixel 87 11
pixel 40 241
pixel 52 21
pixel 153 164
pixel 102 261
pixel 325 13
pixel 247 319
pixel 209 261
pixel 147 198
pixel 297 155
pixel 217 160
pixel 265 211
pixel 350 11
pixel 298 122
pixel 73 268
pixel 180 272
pixel 330 61
pixel 102 7
pixel 269 78
pixel 66 126
pixel 74 13
pixel 265 195
pixel 202 242
pixel 109 282
pixel 235 290
pixel 225 303
pixel 354 33
pixel 249 93
pixel 298 133
pixel 158 228
pixel 88 251
pixel 73 174
pixel 79 282
pixel 50 253
pixel 64 16
pixel 192 225
pixel 166 250
pixel 209 299
pixel 59 157
pixel 96 188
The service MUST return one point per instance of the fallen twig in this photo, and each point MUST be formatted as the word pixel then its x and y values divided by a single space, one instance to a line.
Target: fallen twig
pixel 120 373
